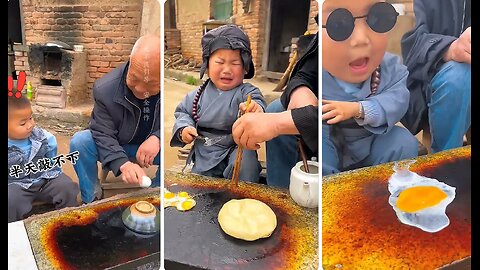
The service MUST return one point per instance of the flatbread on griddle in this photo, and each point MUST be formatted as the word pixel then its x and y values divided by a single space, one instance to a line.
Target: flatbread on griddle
pixel 247 219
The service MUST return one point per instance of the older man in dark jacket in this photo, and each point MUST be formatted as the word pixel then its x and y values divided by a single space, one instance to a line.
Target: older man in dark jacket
pixel 437 54
pixel 124 131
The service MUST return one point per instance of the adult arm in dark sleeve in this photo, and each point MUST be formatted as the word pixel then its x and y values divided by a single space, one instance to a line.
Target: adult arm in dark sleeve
pixel 423 47
pixel 306 121
pixel 305 116
pixel 156 124
pixel 110 152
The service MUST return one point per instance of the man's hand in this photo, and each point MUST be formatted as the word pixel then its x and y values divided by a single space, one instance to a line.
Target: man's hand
pixel 460 50
pixel 132 173
pixel 338 111
pixel 188 134
pixel 253 107
pixel 254 128
pixel 147 151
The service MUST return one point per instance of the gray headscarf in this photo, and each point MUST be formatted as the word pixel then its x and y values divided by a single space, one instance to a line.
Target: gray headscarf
pixel 227 37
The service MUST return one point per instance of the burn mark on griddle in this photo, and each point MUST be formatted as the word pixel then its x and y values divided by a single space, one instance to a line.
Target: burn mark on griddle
pixel 194 238
pixel 361 229
pixel 95 238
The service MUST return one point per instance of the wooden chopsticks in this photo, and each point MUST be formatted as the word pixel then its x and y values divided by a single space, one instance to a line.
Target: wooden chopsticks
pixel 302 154
pixel 238 156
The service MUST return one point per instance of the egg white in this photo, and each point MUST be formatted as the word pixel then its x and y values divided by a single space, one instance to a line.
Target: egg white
pixel 431 219
pixel 169 201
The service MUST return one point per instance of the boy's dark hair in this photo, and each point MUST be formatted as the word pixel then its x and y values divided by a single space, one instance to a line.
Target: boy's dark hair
pixel 15 103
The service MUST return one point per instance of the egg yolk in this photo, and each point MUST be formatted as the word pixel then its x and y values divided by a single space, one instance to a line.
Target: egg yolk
pixel 168 195
pixel 187 205
pixel 183 194
pixel 417 198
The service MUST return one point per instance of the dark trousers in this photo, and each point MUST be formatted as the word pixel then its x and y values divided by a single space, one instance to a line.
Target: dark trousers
pixel 61 192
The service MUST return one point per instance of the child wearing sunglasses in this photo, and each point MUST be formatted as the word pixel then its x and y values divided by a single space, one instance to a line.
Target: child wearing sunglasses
pixel 364 93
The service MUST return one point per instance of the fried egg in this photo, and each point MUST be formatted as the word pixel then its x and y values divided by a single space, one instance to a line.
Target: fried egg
pixel 183 195
pixel 181 200
pixel 186 204
pixel 169 198
pixel 418 200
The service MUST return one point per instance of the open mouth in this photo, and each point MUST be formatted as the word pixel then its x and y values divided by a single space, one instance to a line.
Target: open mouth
pixel 359 64
pixel 226 80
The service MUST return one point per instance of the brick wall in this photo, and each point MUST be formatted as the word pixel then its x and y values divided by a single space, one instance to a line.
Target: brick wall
pixel 253 23
pixel 21 59
pixel 190 22
pixel 172 39
pixel 107 30
pixel 190 18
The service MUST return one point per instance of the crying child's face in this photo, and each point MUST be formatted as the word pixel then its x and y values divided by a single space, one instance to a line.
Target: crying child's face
pixel 225 69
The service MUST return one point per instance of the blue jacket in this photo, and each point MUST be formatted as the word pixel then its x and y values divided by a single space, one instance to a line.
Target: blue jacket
pixel 438 24
pixel 218 110
pixel 115 118
pixel 39 149
pixel 353 137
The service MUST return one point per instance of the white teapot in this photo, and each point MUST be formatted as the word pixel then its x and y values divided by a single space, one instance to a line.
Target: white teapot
pixel 304 187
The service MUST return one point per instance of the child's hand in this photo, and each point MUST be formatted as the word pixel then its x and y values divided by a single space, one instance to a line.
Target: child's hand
pixel 338 111
pixel 253 107
pixel 188 134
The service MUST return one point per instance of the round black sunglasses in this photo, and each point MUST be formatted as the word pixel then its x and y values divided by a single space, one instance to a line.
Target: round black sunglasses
pixel 381 18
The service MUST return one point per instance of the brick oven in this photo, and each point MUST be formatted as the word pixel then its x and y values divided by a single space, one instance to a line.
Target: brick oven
pixel 61 73
pixel 107 31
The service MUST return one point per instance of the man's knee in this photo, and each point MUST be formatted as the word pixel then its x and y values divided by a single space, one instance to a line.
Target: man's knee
pixel 456 69
pixel 81 138
pixel 275 107
pixel 453 75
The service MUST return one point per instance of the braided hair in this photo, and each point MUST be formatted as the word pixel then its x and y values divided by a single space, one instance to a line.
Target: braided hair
pixel 197 98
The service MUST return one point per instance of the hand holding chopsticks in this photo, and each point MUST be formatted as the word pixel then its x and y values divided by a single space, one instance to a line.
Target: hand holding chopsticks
pixel 238 156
